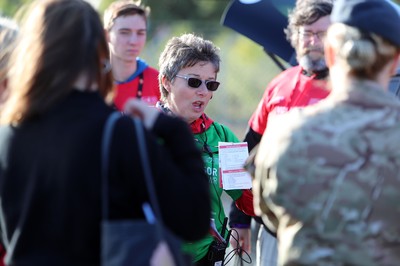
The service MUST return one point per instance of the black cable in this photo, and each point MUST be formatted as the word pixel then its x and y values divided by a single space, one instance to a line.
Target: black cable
pixel 237 251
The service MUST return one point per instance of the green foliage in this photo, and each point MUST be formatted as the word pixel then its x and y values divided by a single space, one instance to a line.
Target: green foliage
pixel 9 8
pixel 167 10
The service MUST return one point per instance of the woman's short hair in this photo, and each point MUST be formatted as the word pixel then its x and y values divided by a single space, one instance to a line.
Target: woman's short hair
pixel 122 8
pixel 306 12
pixel 185 51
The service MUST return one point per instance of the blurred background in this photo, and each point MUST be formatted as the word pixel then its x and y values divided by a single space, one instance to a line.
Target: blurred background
pixel 245 67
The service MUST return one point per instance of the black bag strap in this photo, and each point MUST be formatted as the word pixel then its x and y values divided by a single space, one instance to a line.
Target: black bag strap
pixel 144 158
pixel 141 140
pixel 105 150
pixel 177 254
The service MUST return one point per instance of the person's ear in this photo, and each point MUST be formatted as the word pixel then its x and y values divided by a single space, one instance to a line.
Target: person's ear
pixel 329 55
pixel 166 83
pixel 107 34
pixel 395 65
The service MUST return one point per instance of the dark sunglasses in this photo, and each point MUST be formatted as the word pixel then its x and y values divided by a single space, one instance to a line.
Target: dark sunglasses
pixel 211 85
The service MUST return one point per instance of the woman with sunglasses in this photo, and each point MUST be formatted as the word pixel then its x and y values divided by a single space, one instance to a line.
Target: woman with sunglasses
pixel 188 71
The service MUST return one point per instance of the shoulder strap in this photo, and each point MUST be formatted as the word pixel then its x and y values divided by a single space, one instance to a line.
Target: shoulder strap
pixel 220 130
pixel 139 92
pixel 176 248
pixel 106 142
pixel 105 150
pixel 144 158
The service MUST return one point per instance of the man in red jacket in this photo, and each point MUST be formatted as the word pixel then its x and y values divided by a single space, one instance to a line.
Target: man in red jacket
pixel 125 23
pixel 298 86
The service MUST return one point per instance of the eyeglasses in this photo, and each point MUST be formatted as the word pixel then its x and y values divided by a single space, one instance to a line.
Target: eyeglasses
pixel 309 34
pixel 211 85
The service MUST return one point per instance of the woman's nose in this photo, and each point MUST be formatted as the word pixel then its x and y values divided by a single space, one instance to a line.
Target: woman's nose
pixel 202 89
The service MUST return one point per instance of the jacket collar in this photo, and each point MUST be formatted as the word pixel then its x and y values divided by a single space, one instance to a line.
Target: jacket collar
pixel 198 126
pixel 201 124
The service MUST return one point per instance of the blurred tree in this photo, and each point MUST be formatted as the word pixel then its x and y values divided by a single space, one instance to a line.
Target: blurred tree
pixel 182 9
pixel 192 12
pixel 189 9
pixel 8 7
pixel 162 10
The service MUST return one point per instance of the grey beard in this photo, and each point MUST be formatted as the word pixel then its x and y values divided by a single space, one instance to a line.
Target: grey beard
pixel 312 65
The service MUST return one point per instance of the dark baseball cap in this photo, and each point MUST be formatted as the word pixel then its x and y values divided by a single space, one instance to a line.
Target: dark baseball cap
pixel 375 16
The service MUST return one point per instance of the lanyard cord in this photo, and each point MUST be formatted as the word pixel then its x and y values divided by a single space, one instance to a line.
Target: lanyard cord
pixel 140 86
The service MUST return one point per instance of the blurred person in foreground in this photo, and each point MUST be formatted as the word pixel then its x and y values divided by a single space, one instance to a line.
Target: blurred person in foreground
pixel 50 146
pixel 8 35
pixel 188 80
pixel 125 23
pixel 295 87
pixel 327 176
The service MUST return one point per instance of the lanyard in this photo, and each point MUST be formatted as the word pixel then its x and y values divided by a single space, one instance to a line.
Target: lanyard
pixel 140 86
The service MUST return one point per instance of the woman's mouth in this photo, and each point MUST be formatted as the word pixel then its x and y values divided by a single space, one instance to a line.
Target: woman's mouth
pixel 198 105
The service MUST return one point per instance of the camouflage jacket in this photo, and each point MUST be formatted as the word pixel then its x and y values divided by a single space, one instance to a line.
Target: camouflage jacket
pixel 327 179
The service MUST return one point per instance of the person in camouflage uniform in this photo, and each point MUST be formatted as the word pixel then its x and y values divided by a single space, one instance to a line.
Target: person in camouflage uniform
pixel 327 176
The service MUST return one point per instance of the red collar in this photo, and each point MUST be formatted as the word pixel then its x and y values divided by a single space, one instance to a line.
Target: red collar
pixel 201 124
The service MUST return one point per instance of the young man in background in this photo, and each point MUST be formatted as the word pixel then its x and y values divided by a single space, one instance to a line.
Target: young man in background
pixel 125 23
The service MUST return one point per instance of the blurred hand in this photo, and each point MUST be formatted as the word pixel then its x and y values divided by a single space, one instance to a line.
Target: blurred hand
pixel 243 236
pixel 135 107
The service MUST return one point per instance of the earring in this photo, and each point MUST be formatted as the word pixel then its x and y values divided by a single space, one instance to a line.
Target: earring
pixel 106 66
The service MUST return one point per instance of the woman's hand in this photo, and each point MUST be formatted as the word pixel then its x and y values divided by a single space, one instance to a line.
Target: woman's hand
pixel 148 115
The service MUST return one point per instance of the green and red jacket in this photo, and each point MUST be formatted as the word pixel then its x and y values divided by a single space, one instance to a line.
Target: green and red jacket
pixel 207 134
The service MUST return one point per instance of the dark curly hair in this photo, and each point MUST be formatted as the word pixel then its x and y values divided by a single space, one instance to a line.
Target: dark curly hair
pixel 306 12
